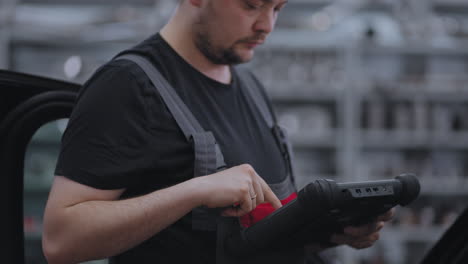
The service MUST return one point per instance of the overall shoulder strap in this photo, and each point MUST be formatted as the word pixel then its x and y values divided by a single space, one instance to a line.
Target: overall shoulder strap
pixel 183 116
pixel 259 99
pixel 208 155
pixel 253 89
pixel 205 162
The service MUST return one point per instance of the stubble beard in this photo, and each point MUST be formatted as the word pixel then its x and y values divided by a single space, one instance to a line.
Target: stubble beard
pixel 219 56
pixel 205 44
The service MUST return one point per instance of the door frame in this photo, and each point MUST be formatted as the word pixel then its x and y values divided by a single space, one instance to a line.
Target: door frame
pixel 33 102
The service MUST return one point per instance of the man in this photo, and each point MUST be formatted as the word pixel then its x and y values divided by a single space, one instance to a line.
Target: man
pixel 125 187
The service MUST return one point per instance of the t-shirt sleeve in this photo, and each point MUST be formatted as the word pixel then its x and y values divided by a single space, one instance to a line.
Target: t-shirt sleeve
pixel 107 133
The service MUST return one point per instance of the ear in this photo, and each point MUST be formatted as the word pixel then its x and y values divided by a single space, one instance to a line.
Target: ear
pixel 197 3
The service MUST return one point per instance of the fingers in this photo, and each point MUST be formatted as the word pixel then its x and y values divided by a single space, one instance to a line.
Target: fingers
pixel 362 244
pixel 263 188
pixel 269 195
pixel 387 216
pixel 359 237
pixel 372 227
pixel 247 204
pixel 355 242
pixel 257 195
pixel 359 231
pixel 271 198
pixel 240 186
pixel 255 191
pixel 365 242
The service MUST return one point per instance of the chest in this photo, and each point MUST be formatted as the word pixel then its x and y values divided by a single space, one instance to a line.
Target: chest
pixel 239 128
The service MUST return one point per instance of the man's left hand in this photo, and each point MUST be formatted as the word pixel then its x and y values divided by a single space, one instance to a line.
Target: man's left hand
pixel 363 236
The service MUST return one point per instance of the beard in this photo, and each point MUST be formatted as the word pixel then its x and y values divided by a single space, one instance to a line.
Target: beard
pixel 220 56
pixel 205 40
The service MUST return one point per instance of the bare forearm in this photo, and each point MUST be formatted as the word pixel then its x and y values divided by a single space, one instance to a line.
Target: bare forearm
pixel 83 223
pixel 106 228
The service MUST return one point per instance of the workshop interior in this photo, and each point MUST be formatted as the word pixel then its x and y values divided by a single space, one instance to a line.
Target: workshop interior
pixel 366 89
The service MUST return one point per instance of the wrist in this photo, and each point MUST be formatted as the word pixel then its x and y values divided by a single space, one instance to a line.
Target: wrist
pixel 196 187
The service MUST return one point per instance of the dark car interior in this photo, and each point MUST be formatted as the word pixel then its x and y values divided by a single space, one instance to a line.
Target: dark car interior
pixel 27 102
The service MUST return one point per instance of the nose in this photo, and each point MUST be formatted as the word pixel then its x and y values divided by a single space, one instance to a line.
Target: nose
pixel 266 22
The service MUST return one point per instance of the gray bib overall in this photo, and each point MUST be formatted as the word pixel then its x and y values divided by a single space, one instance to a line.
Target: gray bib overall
pixel 209 159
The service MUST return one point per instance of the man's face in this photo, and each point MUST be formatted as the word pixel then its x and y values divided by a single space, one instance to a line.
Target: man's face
pixel 228 31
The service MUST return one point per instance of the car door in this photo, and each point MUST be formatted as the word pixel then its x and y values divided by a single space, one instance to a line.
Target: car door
pixel 452 248
pixel 26 103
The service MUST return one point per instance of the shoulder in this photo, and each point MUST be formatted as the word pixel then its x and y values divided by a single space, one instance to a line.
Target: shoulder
pixel 117 89
pixel 248 78
pixel 243 72
pixel 117 81
pixel 116 72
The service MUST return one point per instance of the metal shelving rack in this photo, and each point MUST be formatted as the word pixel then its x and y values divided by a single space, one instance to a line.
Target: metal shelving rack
pixel 341 112
pixel 7 9
pixel 350 139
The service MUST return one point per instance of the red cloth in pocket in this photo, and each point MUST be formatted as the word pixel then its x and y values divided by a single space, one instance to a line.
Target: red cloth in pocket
pixel 262 211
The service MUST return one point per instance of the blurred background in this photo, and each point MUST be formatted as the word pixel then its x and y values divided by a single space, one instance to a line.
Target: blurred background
pixel 368 89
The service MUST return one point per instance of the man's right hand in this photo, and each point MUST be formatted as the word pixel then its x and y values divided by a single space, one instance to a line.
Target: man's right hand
pixel 104 226
pixel 239 188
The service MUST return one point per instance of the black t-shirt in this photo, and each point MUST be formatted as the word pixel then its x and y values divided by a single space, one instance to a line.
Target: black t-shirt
pixel 121 135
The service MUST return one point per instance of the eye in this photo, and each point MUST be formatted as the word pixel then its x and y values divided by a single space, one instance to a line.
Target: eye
pixel 252 5
pixel 280 7
pixel 249 6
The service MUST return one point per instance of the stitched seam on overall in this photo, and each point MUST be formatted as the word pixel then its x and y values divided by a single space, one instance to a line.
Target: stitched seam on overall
pixel 206 149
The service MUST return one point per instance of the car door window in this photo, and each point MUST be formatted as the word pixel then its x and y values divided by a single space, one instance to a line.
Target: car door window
pixel 40 159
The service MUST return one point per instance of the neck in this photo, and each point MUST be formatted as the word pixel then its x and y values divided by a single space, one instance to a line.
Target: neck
pixel 180 38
